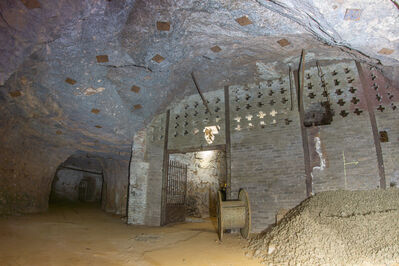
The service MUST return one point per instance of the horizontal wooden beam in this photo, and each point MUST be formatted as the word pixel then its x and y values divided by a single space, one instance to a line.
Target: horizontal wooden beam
pixel 221 147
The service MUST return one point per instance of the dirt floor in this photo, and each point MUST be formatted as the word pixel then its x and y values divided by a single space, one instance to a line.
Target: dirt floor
pixel 335 228
pixel 84 235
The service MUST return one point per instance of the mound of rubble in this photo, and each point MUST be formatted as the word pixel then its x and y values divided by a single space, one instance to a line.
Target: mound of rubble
pixel 336 228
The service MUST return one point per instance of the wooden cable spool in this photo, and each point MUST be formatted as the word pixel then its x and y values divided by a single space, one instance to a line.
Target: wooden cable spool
pixel 234 214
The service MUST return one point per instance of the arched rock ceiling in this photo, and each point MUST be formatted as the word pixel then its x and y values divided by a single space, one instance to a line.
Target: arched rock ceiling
pixel 44 42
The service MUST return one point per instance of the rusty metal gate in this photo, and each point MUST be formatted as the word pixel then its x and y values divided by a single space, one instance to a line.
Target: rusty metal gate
pixel 176 188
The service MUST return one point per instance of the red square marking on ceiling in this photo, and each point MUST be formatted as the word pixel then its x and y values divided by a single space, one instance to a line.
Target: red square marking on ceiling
pixel 135 89
pixel 283 42
pixel 157 58
pixel 102 58
pixel 386 51
pixel 163 25
pixel 216 49
pixel 244 21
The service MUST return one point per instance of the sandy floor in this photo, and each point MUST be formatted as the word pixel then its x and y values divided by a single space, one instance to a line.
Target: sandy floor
pixel 84 235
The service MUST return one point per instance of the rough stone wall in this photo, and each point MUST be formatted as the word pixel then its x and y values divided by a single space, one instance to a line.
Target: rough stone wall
pixel 205 175
pixel 25 178
pixel 266 153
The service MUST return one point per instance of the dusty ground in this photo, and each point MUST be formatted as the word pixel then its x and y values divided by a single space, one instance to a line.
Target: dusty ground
pixel 84 235
pixel 335 228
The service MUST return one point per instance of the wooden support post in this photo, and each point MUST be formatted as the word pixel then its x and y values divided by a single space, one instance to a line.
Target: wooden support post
pixel 370 109
pixel 299 83
pixel 228 141
pixel 165 168
pixel 200 93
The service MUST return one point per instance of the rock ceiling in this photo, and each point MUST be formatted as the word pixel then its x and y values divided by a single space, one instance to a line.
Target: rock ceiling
pixel 88 74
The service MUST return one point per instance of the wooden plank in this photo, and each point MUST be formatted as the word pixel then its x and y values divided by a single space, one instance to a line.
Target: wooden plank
pixel 165 169
pixel 220 147
pixel 299 76
pixel 374 128
pixel 228 141
pixel 200 93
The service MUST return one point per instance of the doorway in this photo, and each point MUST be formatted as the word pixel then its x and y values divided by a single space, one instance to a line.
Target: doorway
pixel 205 175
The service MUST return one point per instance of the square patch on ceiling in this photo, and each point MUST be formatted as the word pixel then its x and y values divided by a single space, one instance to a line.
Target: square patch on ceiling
pixel 244 21
pixel 386 51
pixel 95 111
pixel 157 58
pixel 70 81
pixel 353 14
pixel 102 58
pixel 31 4
pixel 15 94
pixel 283 42
pixel 137 106
pixel 216 49
pixel 163 25
pixel 135 89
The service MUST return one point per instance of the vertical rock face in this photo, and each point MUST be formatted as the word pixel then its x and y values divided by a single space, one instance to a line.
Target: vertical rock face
pixel 85 76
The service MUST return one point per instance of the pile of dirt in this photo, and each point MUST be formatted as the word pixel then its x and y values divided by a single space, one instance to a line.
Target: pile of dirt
pixel 336 228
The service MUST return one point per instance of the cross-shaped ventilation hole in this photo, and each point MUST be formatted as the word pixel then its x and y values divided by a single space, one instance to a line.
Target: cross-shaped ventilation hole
pixel 287 121
pixel 185 132
pixel 195 104
pixel 260 95
pixel 250 125
pixel 249 117
pixel 325 94
pixel 390 96
pixel 271 93
pixel 341 102
pixel 238 108
pixel 186 107
pixel 262 124
pixel 261 115
pixel 311 95
pixel 260 104
pixel 381 108
pixel 217 100
pixel 185 123
pixel 237 118
pixel 373 77
pixel 355 100
pixel 176 125
pixel 281 81
pixel 352 90
pixel 347 70
pixel 350 79
pixel 393 106
pixel 177 117
pixel 272 102
pixel 273 113
pixel 338 91
pixel 307 76
pixel 324 84
pixel 343 113
pixel 336 82
pixel 378 97
pixel 269 83
pixel 237 99
pixel 334 73
pixel 284 100
pixel 375 86
pixel 310 86
pixel 237 128
pixel 283 90
pixel 176 134
pixel 185 115
pixel 358 111
pixel 217 109
pixel 248 106
pixel 247 97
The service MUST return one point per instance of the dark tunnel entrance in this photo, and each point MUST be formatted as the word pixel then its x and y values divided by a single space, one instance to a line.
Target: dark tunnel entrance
pixel 78 180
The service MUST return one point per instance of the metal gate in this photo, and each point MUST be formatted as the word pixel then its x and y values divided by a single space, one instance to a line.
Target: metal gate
pixel 176 192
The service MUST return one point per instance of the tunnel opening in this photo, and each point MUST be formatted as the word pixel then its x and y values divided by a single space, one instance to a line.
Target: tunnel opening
pixel 205 176
pixel 78 180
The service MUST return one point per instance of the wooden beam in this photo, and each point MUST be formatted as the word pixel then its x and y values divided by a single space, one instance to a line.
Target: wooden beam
pixel 299 83
pixel 80 169
pixel 228 141
pixel 220 147
pixel 200 93
pixel 165 167
pixel 374 128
